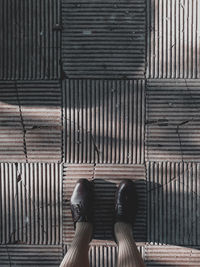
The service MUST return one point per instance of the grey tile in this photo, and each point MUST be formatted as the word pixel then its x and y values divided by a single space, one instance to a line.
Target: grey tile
pixel 29 40
pixel 104 121
pixel 173 193
pixel 172 121
pixel 166 256
pixel 31 202
pixel 30 255
pixel 173 33
pixel 103 39
pixel 30 121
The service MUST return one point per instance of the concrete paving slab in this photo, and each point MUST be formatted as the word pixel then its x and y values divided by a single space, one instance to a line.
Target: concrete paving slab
pixel 30 119
pixel 30 40
pixel 173 32
pixel 104 121
pixel 172 120
pixel 30 255
pixel 166 256
pixel 31 204
pixel 103 39
pixel 173 203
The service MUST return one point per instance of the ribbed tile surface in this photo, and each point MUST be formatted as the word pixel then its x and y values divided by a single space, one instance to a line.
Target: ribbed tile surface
pixel 30 203
pixel 30 121
pixel 173 203
pixel 105 179
pixel 29 39
pixel 103 39
pixel 162 256
pixel 105 255
pixel 173 39
pixel 23 255
pixel 104 121
pixel 173 127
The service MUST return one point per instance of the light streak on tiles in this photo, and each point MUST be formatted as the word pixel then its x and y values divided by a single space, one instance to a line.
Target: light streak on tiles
pixel 30 121
pixel 172 120
pixel 159 256
pixel 104 121
pixel 173 39
pixel 31 203
pixel 30 255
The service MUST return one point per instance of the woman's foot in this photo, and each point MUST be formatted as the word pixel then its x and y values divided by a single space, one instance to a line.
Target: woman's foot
pixel 81 202
pixel 126 202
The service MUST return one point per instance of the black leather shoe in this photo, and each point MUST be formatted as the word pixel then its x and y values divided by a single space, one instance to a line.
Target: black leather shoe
pixel 126 202
pixel 81 202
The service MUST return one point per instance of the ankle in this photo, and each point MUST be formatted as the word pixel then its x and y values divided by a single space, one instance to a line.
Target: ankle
pixel 84 231
pixel 123 231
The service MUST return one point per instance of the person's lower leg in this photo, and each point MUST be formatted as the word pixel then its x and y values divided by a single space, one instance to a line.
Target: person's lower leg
pixel 128 254
pixel 77 255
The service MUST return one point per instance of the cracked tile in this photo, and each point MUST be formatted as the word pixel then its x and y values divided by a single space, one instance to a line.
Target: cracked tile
pixel 30 121
pixel 104 121
pixel 30 205
pixel 176 102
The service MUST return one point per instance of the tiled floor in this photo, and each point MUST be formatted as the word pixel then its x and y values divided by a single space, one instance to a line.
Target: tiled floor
pixel 106 91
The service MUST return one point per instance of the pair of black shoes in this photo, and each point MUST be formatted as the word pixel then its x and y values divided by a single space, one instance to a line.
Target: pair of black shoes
pixel 83 198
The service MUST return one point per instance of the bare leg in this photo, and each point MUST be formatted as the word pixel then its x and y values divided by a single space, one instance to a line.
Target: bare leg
pixel 129 255
pixel 77 255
